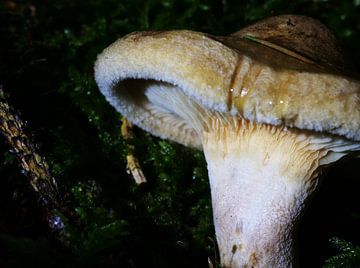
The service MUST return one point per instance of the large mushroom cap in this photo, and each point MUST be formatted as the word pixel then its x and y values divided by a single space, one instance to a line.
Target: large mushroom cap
pixel 231 75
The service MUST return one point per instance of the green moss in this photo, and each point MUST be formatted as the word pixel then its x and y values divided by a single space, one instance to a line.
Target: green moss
pixel 348 255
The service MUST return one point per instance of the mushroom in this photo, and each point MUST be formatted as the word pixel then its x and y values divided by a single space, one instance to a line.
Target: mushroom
pixel 270 106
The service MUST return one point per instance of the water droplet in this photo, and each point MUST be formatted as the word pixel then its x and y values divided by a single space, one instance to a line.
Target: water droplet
pixel 230 98
pixel 56 223
pixel 244 92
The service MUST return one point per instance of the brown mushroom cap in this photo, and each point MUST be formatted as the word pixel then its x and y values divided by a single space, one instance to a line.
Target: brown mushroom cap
pixel 230 75
pixel 303 35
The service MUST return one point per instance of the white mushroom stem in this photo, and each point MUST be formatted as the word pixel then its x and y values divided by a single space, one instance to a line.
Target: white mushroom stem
pixel 260 178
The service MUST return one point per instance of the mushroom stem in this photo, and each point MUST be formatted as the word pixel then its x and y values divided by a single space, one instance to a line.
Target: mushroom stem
pixel 260 178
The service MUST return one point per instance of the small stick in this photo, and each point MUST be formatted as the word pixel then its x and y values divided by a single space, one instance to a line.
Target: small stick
pixel 33 165
pixel 133 165
pixel 35 168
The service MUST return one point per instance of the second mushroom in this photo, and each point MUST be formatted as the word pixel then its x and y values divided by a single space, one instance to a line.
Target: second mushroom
pixel 268 105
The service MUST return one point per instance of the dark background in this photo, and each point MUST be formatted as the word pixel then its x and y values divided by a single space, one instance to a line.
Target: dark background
pixel 47 51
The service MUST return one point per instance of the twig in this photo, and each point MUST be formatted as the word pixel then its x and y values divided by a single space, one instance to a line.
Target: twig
pixel 132 162
pixel 35 168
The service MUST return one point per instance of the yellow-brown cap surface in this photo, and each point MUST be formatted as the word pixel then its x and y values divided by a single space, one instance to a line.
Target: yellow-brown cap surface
pixel 224 78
